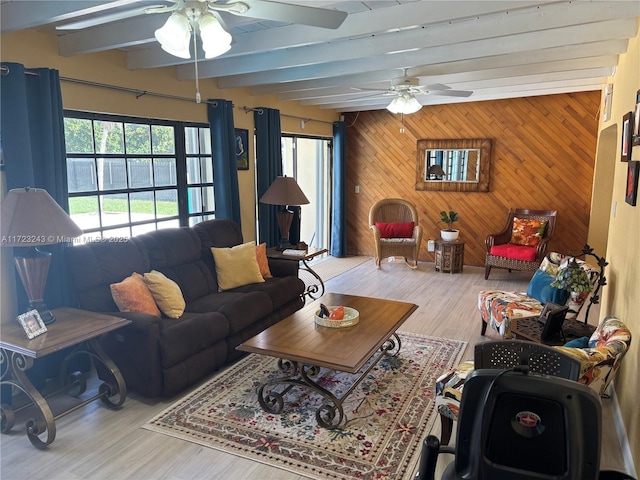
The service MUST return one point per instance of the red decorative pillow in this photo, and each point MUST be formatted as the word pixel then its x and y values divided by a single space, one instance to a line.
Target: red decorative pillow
pixel 517 252
pixel 527 232
pixel 395 230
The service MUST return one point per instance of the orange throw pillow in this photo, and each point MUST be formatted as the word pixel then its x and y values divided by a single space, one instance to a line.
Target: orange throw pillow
pixel 133 295
pixel 263 263
pixel 527 232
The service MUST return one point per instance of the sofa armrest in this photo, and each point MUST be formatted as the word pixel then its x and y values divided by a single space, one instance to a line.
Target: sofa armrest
pixel 281 267
pixel 135 350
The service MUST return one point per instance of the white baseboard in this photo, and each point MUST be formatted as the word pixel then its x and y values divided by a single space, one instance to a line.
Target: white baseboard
pixel 621 432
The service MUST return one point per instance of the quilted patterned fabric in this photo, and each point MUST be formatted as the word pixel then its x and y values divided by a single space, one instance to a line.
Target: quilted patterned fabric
pixel 601 359
pixel 598 365
pixel 527 232
pixel 497 307
pixel 449 389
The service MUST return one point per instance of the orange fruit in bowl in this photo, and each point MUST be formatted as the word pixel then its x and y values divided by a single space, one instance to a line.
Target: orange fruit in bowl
pixel 337 314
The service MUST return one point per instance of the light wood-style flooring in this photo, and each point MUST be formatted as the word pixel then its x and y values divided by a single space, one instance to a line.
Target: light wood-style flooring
pixel 97 443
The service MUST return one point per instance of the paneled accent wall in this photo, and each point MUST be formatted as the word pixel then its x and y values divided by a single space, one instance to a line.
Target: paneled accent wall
pixel 543 153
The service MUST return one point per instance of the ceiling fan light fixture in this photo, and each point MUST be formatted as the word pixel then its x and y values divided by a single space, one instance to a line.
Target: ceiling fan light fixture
pixel 175 34
pixel 215 39
pixel 404 103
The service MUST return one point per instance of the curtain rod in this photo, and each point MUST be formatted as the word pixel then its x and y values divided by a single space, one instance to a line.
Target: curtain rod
pixel 304 119
pixel 140 93
pixel 4 70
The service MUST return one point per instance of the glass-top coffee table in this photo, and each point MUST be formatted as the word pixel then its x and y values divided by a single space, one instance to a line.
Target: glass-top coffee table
pixel 303 347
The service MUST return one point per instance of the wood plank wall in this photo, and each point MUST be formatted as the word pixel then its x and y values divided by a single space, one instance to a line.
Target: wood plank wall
pixel 543 156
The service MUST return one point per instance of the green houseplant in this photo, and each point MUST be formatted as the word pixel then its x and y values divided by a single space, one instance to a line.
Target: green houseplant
pixel 572 278
pixel 449 217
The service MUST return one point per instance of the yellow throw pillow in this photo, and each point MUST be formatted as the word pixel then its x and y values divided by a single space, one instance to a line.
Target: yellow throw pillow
pixel 236 266
pixel 166 293
pixel 132 295
pixel 263 263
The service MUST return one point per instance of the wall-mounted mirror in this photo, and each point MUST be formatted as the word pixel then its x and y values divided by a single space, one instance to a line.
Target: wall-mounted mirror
pixel 460 165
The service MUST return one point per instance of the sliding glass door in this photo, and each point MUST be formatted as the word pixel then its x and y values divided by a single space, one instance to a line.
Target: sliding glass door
pixel 308 160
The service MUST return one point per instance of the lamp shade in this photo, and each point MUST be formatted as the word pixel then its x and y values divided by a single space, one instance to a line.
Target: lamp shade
pixel 404 103
pixel 284 191
pixel 175 34
pixel 30 217
pixel 436 170
pixel 215 40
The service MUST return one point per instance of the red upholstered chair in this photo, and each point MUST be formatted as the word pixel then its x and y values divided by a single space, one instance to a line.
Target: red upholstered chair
pixel 522 243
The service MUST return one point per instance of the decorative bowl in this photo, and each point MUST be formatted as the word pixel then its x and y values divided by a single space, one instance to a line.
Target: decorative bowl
pixel 351 317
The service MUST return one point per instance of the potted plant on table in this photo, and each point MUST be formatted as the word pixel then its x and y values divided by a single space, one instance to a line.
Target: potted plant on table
pixel 450 234
pixel 575 280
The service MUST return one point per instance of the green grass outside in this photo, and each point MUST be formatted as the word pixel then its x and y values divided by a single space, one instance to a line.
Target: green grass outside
pixel 90 205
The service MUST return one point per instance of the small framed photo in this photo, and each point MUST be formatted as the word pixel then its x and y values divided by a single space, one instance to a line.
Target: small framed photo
pixel 631 194
pixel 242 149
pixel 636 121
pixel 627 135
pixel 32 324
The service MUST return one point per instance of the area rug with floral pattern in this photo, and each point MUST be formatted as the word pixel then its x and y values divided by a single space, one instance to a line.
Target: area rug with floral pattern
pixel 386 416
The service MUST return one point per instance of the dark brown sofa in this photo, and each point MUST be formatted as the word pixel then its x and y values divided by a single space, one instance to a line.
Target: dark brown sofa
pixel 160 356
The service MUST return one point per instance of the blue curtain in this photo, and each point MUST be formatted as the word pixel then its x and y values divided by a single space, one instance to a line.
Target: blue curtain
pixel 32 136
pixel 268 167
pixel 225 171
pixel 339 204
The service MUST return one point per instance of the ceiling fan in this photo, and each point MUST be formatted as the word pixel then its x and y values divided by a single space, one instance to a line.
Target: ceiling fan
pixel 260 9
pixel 405 89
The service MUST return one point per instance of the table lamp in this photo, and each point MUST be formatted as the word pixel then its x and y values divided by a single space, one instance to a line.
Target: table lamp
pixel 436 171
pixel 31 218
pixel 284 191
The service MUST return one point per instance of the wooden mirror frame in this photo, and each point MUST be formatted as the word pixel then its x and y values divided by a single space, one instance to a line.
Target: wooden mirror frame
pixel 482 185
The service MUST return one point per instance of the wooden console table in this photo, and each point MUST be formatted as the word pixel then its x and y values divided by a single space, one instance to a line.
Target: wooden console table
pixel 72 328
pixel 449 256
pixel 314 286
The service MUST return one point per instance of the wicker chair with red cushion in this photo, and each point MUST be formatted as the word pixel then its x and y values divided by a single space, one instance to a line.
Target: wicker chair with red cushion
pixel 396 231
pixel 522 243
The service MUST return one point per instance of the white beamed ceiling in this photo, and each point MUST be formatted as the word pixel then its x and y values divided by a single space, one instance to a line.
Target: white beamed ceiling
pixel 497 49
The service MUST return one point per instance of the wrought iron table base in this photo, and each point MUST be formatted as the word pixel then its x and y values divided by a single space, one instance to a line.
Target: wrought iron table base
pixel 331 413
pixel 13 372
pixel 315 286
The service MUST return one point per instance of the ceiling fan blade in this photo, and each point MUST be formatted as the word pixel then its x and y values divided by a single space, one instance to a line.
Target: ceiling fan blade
pixel 381 90
pixel 451 93
pixel 286 12
pixel 437 86
pixel 102 19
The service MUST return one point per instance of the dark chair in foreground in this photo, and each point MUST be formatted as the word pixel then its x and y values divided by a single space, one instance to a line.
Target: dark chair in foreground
pixel 513 426
pixel 522 243
pixel 538 359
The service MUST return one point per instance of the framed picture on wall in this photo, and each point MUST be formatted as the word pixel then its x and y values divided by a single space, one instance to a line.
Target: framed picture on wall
pixel 636 121
pixel 242 149
pixel 631 196
pixel 627 134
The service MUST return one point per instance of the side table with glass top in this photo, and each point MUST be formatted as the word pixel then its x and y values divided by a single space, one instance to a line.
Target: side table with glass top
pixel 74 329
pixel 314 286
